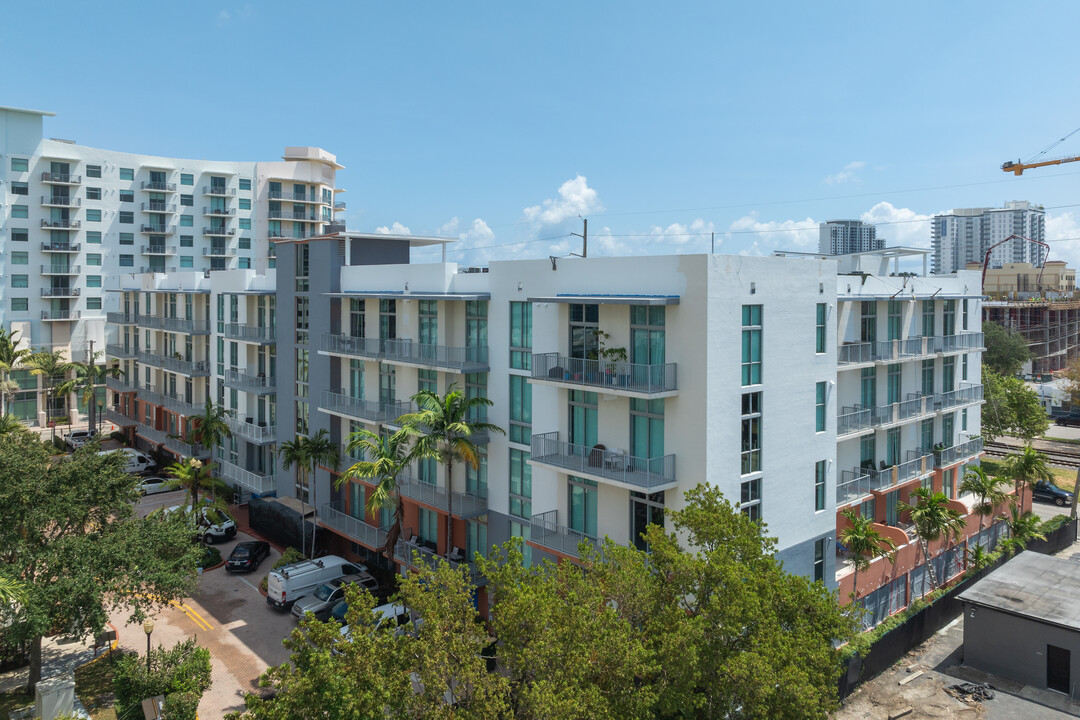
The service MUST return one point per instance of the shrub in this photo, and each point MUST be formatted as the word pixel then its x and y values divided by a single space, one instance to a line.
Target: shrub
pixel 210 558
pixel 182 669
pixel 290 556
pixel 119 437
pixel 1054 523
pixel 181 706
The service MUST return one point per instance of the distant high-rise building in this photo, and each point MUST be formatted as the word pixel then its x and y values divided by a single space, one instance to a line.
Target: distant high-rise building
pixel 964 236
pixel 841 237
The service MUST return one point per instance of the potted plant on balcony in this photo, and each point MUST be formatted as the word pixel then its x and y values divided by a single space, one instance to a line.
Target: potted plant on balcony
pixel 609 357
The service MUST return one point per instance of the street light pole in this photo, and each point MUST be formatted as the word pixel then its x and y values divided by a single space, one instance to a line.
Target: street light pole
pixel 148 628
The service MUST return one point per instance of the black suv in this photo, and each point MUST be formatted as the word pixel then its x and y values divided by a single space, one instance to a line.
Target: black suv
pixel 246 556
pixel 1047 492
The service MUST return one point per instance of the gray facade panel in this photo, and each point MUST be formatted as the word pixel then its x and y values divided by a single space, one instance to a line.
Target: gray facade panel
pixel 799 559
pixel 378 252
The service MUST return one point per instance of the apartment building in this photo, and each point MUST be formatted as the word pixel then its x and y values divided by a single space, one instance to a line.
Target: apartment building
pixel 964 236
pixel 800 386
pixel 841 237
pixel 73 217
pixel 1051 328
pixel 1024 281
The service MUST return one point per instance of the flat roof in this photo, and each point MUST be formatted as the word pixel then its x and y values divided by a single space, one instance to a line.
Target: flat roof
pixel 608 299
pixel 413 240
pixel 897 251
pixel 29 112
pixel 1032 585
pixel 399 294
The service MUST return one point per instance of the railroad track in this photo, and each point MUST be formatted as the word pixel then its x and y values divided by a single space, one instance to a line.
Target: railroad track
pixel 1057 458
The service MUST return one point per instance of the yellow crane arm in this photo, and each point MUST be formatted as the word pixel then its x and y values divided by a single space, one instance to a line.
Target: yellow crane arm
pixel 1018 168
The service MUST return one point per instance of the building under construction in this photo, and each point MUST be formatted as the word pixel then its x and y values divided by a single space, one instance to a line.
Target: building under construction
pixel 1051 328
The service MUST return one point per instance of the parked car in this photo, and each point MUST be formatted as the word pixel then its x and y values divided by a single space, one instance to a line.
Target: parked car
pixel 1068 420
pixel 286 584
pixel 153 484
pixel 246 556
pixel 1048 492
pixel 397 615
pixel 367 582
pixel 134 461
pixel 77 438
pixel 321 603
pixel 211 524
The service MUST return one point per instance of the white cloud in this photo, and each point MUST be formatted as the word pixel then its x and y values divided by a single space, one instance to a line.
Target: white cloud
pixel 223 17
pixel 798 235
pixel 850 172
pixel 448 228
pixel 478 231
pixel 395 229
pixel 575 198
pixel 899 226
pixel 1063 235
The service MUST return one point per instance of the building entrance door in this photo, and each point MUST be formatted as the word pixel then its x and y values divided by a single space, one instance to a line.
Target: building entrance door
pixel 1057 668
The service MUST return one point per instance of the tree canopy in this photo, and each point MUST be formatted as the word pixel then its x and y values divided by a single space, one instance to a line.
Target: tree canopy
pixel 1006 349
pixel 1011 408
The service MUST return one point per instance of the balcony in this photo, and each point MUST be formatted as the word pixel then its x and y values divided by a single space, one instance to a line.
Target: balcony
pixel 914 347
pixel 61 269
pixel 293 197
pixel 603 465
pixel 158 249
pixel 157 229
pixel 62 201
pixel 60 224
pixel 293 216
pixel 257 483
pixel 218 231
pixel 218 191
pixel 173 324
pixel 157 207
pixel 339 402
pixel 457 503
pixel 170 401
pixel 117 418
pixel 957 453
pixel 351 346
pixel 261 434
pixel 413 554
pixel 619 378
pixel 60 178
pixel 852 419
pixel 59 315
pixel 440 357
pixel 250 333
pixel 119 318
pixel 859 482
pixel 548 533
pixel 333 516
pixel 198 368
pixel 121 352
pixel 218 212
pixel 59 247
pixel 219 251
pixel 185 449
pixel 59 292
pixel 154 186
pixel 339 206
pixel 256 383
pixel 120 384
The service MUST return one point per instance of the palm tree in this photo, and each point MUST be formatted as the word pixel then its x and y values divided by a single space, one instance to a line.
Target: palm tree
pixel 987 489
pixel 11 357
pixel 1023 528
pixel 446 423
pixel 190 475
pixel 310 452
pixel 933 518
pixel 212 427
pixel 1026 467
pixel 978 558
pixel 50 363
pixel 865 543
pixel 9 424
pixel 11 592
pixel 387 456
pixel 88 376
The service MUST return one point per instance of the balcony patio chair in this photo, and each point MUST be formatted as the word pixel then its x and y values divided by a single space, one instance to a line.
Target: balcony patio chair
pixel 596 456
pixel 456 555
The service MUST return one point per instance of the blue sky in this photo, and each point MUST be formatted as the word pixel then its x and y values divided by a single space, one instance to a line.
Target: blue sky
pixel 660 122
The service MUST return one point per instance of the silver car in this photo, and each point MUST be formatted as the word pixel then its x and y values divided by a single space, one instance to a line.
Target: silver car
pixel 326 596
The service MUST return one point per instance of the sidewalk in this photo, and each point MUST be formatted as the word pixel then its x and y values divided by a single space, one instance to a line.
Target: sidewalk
pixel 58 656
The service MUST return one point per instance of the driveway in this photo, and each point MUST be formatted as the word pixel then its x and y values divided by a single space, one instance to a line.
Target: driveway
pixel 229 617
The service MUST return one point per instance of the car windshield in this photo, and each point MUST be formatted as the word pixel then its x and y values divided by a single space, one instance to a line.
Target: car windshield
pixel 339 611
pixel 324 592
pixel 241 552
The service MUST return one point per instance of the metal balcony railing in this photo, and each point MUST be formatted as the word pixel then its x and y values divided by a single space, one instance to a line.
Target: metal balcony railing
pixel 56 247
pixel 547 532
pixel 61 269
pixel 460 359
pixel 121 383
pixel 60 201
pixel 157 229
pixel 117 418
pixel 157 207
pixel 169 401
pixel 250 333
pixel 426 493
pixel 173 324
pixel 158 249
pixel 122 352
pixel 60 224
pixel 348 345
pixel 59 292
pixel 859 482
pixel 291 215
pixel 60 178
pixel 196 368
pixel 956 453
pixel 218 231
pixel 251 382
pixel 648 474
pixel 291 197
pixel 185 449
pixel 158 269
pixel 627 376
pixel 119 318
pixel 218 191
pixel 334 516
pixel 893 350
pixel 155 186
pixel 60 315
pixel 341 402
pixel 259 434
pixel 853 419
pixel 257 483
pixel 339 205
pixel 219 212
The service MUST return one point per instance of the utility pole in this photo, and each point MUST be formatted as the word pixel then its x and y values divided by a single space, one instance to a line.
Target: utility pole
pixel 93 403
pixel 712 246
pixel 584 235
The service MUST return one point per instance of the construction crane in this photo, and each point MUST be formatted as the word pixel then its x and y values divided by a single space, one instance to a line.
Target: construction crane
pixel 1042 266
pixel 1018 168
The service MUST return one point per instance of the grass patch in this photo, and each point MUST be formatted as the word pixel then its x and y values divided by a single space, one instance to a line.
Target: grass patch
pixel 1071 441
pixel 94 686
pixel 13 701
pixel 1064 478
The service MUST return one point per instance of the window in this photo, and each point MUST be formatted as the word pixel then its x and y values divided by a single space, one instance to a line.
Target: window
pixel 926 435
pixel 187 221
pixel 751 433
pixel 520 409
pixel 187 241
pixel 868 387
pixel 582 503
pixel 93 281
pixel 187 261
pixel 476 479
pixel 245 203
pixel 892 447
pixel 245 223
pixel 963 420
pixel 20 257
pixel 187 200
pixel 584 331
pixel 93 258
pixel 521 335
pixel 948 318
pixel 648 344
pixel 127 238
pixel 20 188
pixel 819 485
pixel 583 418
pixel 357 324
pixel 476 387
pixel 751 345
pixel 819 408
pixel 245 243
pixel 520 484
pixel 93 171
pixel 245 183
pixel 127 196
pixel 127 174
pixel 23 235
pixel 93 237
pixel 23 211
pixel 428 532
pixel 427 380
pixel 20 164
pixel 645 510
pixel 896 311
pixel 93 216
pixel 93 303
pixel 647 435
pixel 819 336
pixel 523 531
pixel 750 499
pixel 126 217
pixel 20 281
pixel 868 322
pixel 187 179
pixel 964 314
pixel 893 389
pixel 303 256
pixel 93 193
pixel 819 560
pixel 927 385
pixel 20 304
pixel 964 368
pixel 127 261
pixel 948 374
pixel 244 263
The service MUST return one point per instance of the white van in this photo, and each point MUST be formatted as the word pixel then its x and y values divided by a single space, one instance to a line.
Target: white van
pixel 136 462
pixel 286 585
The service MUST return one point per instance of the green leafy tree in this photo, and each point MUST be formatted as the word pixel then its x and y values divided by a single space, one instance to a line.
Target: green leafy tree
pixel 181 673
pixel 446 425
pixel 211 429
pixel 10 424
pixel 309 453
pixel 978 558
pixel 71 536
pixel 986 488
pixel 1026 467
pixel 51 365
pixel 933 520
pixel 385 458
pixel 1023 528
pixel 88 377
pixel 1006 349
pixel 11 358
pixel 193 475
pixel 865 543
pixel 1011 408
